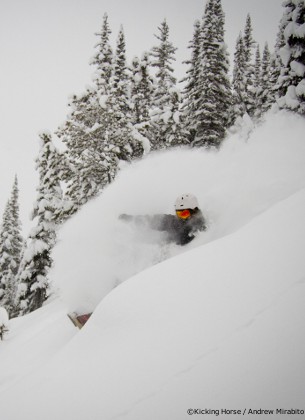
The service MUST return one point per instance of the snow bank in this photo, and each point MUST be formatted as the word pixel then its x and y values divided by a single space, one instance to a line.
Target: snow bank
pixel 96 251
pixel 33 340
pixel 219 327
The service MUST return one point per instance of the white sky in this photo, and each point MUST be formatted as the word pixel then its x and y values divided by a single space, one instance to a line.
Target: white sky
pixel 45 47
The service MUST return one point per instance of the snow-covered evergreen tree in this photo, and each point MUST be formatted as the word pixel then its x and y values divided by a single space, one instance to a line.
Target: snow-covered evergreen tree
pixel 166 113
pixel 113 107
pixel 172 127
pixel 33 282
pixel 291 82
pixel 275 65
pixel 266 97
pixel 191 92
pixel 249 45
pixel 90 163
pixel 4 263
pixel 142 90
pixel 224 93
pixel 276 62
pixel 121 131
pixel 212 91
pixel 277 69
pixel 264 88
pixel 245 75
pixel 10 250
pixel 239 81
pixel 89 166
pixel 163 56
pixel 120 78
pixel 257 81
pixel 103 58
pixel 257 66
pixel 98 132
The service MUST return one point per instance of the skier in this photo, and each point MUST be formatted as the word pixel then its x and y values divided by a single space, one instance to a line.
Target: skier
pixel 182 228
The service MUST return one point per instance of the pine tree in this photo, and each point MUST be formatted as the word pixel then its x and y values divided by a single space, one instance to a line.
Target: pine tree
pixel 164 56
pixel 103 58
pixel 120 77
pixel 173 130
pixel 239 82
pixel 276 62
pixel 121 137
pixel 279 69
pixel 113 108
pixel 5 250
pixel 291 82
pixel 90 163
pixel 90 166
pixel 99 132
pixel 266 88
pixel 212 92
pixel 142 89
pixel 191 92
pixel 10 250
pixel 257 82
pixel 249 45
pixel 165 115
pixel 33 282
pixel 224 94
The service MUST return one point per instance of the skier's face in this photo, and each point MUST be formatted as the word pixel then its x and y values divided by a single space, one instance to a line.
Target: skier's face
pixel 183 214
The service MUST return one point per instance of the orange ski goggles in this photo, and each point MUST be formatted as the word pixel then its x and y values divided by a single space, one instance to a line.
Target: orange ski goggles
pixel 183 214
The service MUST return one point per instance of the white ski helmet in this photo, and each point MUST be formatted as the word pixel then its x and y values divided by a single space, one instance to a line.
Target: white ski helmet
pixel 186 201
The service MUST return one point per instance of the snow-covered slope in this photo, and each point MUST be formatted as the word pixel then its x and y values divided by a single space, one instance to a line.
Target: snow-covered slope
pixel 32 340
pixel 219 326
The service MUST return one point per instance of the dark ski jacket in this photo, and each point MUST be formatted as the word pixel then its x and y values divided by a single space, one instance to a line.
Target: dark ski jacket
pixel 179 231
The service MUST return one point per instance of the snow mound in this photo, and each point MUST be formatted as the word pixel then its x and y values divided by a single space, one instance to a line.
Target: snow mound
pixel 219 327
pixel 31 341
pixel 96 252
